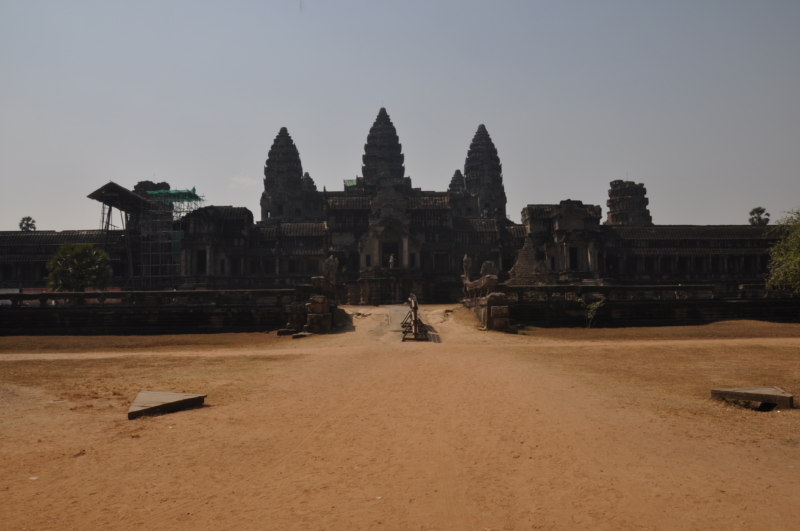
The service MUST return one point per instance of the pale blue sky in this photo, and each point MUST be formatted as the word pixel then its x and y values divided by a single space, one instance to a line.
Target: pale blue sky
pixel 699 100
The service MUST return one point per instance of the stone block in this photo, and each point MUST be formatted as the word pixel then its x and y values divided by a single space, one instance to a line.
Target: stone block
pixel 153 402
pixel 499 312
pixel 500 323
pixel 765 395
pixel 496 299
pixel 317 304
pixel 319 323
pixel 319 284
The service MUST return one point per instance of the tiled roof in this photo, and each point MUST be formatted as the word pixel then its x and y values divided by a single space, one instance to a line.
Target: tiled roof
pixel 541 211
pixel 687 232
pixel 51 237
pixel 475 224
pixel 349 203
pixel 441 202
pixel 301 251
pixel 516 231
pixel 263 233
pixel 223 212
pixel 342 248
pixel 302 229
pixel 22 258
pixel 548 211
pixel 469 248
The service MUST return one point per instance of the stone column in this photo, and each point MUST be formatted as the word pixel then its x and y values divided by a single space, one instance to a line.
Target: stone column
pixel 405 252
pixel 209 261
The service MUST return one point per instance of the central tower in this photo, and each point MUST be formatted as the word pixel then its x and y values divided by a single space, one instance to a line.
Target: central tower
pixel 383 155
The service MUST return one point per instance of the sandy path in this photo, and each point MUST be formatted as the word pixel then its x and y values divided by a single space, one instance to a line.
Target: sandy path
pixel 365 432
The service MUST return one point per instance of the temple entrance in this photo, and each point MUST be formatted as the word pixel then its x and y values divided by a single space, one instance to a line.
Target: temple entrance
pixel 388 249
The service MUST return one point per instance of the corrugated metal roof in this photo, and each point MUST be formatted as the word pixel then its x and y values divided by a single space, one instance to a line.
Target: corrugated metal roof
pixel 120 198
pixel 687 232
pixel 303 229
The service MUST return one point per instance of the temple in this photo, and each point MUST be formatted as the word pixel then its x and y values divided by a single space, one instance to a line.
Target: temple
pixel 391 239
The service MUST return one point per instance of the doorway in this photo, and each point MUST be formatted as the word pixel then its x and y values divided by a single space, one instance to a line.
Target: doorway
pixel 388 249
pixel 201 262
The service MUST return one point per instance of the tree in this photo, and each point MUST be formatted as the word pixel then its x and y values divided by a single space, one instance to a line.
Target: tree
pixel 590 309
pixel 784 264
pixel 77 267
pixel 27 224
pixel 759 216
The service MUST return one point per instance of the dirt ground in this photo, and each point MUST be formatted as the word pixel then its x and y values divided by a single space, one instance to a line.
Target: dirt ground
pixel 549 429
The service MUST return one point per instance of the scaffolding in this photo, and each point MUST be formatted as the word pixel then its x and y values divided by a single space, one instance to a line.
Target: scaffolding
pixel 161 228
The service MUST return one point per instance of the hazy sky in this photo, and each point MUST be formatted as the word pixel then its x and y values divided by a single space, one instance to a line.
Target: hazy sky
pixel 700 100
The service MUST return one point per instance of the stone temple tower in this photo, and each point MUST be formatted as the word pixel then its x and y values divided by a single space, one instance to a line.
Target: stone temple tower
pixel 483 175
pixel 383 154
pixel 288 194
pixel 627 205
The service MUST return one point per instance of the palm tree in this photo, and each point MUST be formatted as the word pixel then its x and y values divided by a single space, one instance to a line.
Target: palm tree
pixel 759 216
pixel 77 267
pixel 27 224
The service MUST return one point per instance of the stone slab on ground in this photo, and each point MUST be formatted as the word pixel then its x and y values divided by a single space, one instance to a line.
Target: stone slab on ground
pixel 768 395
pixel 396 315
pixel 153 402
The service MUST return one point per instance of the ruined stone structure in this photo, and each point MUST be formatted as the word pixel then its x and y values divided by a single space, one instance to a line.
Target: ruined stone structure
pixel 378 220
pixel 627 205
pixel 390 238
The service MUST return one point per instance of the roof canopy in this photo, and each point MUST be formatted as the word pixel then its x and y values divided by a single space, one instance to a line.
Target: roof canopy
pixel 119 197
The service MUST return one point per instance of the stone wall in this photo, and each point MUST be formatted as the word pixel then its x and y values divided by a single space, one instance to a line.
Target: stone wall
pixel 89 320
pixel 616 313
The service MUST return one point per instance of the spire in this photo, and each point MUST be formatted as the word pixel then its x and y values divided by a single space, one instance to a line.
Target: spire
pixel 283 165
pixel 382 153
pixel 308 183
pixel 482 166
pixel 457 182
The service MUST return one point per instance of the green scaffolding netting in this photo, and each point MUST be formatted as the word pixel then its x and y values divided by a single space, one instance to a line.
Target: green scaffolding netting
pixel 175 196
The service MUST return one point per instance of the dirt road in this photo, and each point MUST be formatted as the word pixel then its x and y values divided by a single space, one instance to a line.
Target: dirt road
pixel 360 431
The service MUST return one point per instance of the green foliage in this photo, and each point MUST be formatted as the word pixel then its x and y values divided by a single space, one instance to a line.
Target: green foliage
pixel 27 224
pixel 78 267
pixel 591 309
pixel 759 216
pixel 784 265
